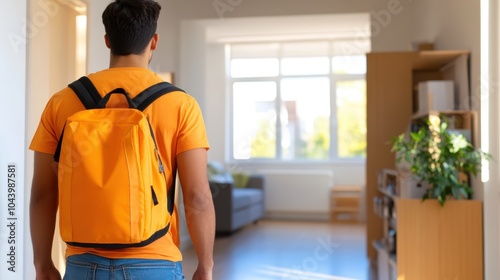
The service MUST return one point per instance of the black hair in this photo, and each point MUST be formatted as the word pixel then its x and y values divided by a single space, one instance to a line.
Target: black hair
pixel 130 25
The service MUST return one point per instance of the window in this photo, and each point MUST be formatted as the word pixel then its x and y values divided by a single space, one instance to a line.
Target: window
pixel 297 101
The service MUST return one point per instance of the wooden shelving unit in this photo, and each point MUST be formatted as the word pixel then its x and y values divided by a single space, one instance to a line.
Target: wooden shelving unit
pixel 392 79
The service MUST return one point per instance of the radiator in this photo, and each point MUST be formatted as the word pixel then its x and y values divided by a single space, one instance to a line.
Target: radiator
pixel 297 192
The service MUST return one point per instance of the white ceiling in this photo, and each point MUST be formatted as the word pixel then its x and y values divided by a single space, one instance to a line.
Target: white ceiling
pixel 283 28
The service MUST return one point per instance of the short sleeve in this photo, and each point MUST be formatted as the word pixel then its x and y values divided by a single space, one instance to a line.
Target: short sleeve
pixel 60 106
pixel 192 131
pixel 45 139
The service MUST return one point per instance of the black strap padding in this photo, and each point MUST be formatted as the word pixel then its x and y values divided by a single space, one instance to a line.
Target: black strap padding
pixel 57 154
pixel 91 88
pixel 149 95
pixel 105 99
pixel 171 194
pixel 157 235
pixel 86 92
pixel 90 97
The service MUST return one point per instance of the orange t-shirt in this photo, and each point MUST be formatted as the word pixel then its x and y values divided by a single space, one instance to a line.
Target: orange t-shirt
pixel 178 126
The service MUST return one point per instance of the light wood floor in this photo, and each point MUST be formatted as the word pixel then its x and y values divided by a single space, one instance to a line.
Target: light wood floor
pixel 289 250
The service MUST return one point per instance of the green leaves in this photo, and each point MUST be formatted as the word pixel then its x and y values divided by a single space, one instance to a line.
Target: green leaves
pixel 441 158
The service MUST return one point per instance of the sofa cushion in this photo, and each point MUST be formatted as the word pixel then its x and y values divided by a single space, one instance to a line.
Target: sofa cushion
pixel 247 215
pixel 217 173
pixel 240 179
pixel 245 197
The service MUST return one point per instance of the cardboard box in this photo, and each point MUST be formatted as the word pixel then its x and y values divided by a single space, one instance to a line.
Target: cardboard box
pixel 436 96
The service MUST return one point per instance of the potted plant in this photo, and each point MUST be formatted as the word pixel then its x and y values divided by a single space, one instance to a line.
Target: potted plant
pixel 443 159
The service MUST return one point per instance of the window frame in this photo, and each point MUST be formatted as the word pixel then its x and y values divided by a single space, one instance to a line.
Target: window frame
pixel 333 79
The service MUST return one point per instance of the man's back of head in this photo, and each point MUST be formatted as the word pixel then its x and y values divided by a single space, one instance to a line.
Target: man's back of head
pixel 130 25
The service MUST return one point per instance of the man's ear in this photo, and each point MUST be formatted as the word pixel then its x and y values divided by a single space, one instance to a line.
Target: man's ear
pixel 154 41
pixel 106 40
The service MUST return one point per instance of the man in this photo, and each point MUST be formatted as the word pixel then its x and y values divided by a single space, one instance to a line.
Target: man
pixel 180 132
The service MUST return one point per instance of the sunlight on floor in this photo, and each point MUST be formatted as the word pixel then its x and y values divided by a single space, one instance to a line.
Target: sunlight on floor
pixel 295 274
pixel 289 250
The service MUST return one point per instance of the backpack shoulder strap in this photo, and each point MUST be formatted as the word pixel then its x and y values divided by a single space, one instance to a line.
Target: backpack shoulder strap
pixel 171 193
pixel 88 95
pixel 86 92
pixel 149 95
pixel 142 101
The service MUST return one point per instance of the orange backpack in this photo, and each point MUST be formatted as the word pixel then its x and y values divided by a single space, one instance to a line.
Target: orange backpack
pixel 112 186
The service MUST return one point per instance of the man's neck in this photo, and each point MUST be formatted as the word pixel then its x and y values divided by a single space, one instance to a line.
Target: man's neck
pixel 131 60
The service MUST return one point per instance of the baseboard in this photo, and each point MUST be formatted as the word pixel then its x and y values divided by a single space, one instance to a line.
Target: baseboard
pixel 297 216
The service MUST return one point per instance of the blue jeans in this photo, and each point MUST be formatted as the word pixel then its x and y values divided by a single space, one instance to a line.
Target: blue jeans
pixel 92 267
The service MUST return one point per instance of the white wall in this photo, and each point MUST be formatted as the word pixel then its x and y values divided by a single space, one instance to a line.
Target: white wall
pixel 98 54
pixel 12 142
pixel 489 85
pixel 391 25
pixel 392 20
pixel 297 193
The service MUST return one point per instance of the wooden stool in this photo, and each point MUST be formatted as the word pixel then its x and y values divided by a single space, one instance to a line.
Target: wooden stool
pixel 345 203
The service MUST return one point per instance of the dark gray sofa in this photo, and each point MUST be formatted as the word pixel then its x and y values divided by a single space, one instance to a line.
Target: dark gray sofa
pixel 237 207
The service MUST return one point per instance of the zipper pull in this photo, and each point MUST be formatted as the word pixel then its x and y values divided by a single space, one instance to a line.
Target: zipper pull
pixel 161 168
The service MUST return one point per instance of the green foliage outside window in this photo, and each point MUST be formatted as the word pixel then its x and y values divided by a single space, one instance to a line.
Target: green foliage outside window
pixel 351 114
pixel 317 145
pixel 264 142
